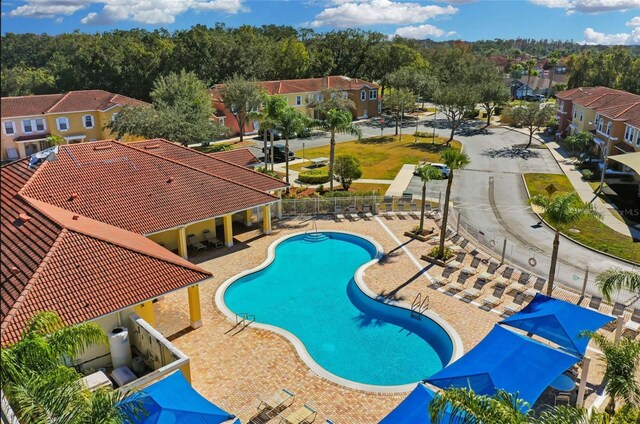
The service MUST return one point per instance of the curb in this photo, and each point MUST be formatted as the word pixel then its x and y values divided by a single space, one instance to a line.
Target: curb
pixel 570 239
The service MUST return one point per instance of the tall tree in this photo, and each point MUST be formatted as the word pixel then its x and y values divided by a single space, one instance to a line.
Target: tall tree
pixel 397 102
pixel 181 112
pixel 426 174
pixel 347 170
pixel 337 121
pixel 242 98
pixel 529 64
pixel 532 116
pixel 454 160
pixel 491 89
pixel 616 279
pixel 269 118
pixel 291 122
pixel 561 211
pixel 330 99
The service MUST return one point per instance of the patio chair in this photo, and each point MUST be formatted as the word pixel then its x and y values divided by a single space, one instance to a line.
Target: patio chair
pixel 439 281
pixel 387 211
pixel 595 303
pixel 338 214
pixel 455 287
pixel 473 292
pixel 273 405
pixel 352 213
pixel 467 270
pixel 524 278
pixel 366 211
pixel 453 265
pixel 195 243
pixel 494 299
pixel 401 210
pixel 413 211
pixel 513 307
pixel 516 287
pixel 211 239
pixel 561 398
pixel 618 312
pixel 485 276
pixel 304 414
pixel 537 287
pixel 634 323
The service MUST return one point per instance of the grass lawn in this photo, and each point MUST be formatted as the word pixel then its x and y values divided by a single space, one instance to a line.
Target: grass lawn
pixel 593 232
pixel 381 189
pixel 299 166
pixel 382 157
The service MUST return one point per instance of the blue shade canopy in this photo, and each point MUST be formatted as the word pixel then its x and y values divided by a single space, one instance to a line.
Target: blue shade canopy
pixel 414 409
pixel 172 400
pixel 506 360
pixel 558 321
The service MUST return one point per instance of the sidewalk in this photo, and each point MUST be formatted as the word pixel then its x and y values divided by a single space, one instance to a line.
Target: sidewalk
pixel 293 175
pixel 584 190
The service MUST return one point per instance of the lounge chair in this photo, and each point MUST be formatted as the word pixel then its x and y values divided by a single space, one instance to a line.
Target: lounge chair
pixel 537 287
pixel 595 303
pixel 276 403
pixel 516 287
pixel 485 276
pixel 387 211
pixel 473 292
pixel 366 211
pixel 338 213
pixel 439 281
pixel 500 281
pixel 352 213
pixel 562 398
pixel 193 242
pixel 304 414
pixel 455 287
pixel 524 278
pixel 618 312
pixel 414 211
pixel 211 239
pixel 494 299
pixel 493 267
pixel 513 307
pixel 401 210
pixel 634 323
pixel 453 265
pixel 467 270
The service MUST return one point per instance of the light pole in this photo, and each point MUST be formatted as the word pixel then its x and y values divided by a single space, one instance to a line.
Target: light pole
pixel 433 135
pixel 605 157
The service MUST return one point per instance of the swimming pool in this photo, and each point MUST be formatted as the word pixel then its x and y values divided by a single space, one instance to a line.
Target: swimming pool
pixel 309 290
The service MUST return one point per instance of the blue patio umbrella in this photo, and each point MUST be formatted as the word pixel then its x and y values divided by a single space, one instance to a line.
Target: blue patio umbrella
pixel 172 400
pixel 558 321
pixel 414 409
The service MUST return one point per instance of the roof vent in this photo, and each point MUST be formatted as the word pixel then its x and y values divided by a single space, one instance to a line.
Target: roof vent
pixel 75 217
pixel 73 197
pixel 103 147
pixel 24 217
pixel 14 270
pixel 152 146
pixel 170 180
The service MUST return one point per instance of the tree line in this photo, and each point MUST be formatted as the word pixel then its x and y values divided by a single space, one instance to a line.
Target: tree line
pixel 128 62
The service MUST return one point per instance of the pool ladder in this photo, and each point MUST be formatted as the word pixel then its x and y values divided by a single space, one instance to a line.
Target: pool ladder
pixel 244 318
pixel 418 306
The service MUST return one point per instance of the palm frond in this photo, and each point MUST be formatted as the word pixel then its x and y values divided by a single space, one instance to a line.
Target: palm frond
pixel 564 209
pixel 616 279
pixel 73 340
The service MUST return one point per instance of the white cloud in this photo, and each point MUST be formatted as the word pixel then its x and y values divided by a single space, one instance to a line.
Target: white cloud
pixel 590 6
pixel 150 12
pixel 634 22
pixel 358 13
pixel 592 37
pixel 420 32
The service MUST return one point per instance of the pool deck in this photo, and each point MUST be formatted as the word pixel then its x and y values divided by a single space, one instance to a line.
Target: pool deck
pixel 236 369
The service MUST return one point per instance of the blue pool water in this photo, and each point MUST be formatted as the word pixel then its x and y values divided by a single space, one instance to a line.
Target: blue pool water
pixel 310 291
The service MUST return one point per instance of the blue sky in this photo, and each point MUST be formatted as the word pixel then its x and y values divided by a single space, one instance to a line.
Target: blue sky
pixel 590 21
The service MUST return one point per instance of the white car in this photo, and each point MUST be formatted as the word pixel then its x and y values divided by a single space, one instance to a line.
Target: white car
pixel 441 166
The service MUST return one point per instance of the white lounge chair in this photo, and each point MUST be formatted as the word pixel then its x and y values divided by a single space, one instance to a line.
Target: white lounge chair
pixel 515 306
pixel 634 323
pixel 211 239
pixel 366 211
pixel 304 414
pixel 494 299
pixel 352 213
pixel 274 404
pixel 338 213
pixel 195 243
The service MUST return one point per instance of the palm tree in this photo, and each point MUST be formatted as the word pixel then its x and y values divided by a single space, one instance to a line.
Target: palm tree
pixel 291 122
pixel 562 211
pixel 622 359
pixel 337 121
pixel 616 279
pixel 454 159
pixel 329 99
pixel 269 118
pixel 530 64
pixel 426 174
pixel 466 407
pixel 40 388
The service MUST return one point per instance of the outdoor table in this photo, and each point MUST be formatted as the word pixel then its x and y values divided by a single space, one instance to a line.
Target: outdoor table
pixel 563 383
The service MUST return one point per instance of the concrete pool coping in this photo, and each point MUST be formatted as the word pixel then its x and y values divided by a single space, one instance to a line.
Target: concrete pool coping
pixel 457 346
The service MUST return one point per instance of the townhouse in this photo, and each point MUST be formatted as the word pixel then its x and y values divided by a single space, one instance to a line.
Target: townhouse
pixel 76 116
pixel 301 92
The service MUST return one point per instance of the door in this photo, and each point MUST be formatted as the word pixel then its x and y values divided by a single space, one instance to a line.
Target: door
pixel 30 148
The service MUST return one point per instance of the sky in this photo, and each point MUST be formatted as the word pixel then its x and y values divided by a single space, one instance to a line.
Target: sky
pixel 584 21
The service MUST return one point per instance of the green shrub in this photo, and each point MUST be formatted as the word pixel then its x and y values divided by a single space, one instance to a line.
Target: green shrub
pixel 264 170
pixel 314 176
pixel 423 134
pixel 472 113
pixel 586 174
pixel 448 254
pixel 497 111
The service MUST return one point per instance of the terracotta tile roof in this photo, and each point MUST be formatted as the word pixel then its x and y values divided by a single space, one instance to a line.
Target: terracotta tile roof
pixel 601 97
pixel 54 259
pixel 72 101
pixel 242 157
pixel 137 189
pixel 578 92
pixel 212 164
pixel 628 112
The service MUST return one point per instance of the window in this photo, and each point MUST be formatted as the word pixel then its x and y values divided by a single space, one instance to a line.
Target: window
pixel 9 129
pixel 600 123
pixel 581 116
pixel 629 133
pixel 608 128
pixel 575 114
pixel 373 94
pixel 87 121
pixel 561 106
pixel 345 95
pixel 363 95
pixel 113 117
pixel 39 124
pixel 26 126
pixel 298 100
pixel 63 123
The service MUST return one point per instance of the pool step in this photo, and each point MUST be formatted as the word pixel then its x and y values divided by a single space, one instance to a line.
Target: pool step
pixel 315 237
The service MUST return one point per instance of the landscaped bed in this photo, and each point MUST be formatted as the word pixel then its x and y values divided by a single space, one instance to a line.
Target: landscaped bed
pixel 593 232
pixel 382 157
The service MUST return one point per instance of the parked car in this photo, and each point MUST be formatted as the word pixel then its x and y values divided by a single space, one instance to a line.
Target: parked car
pixel 277 135
pixel 442 167
pixel 536 98
pixel 278 153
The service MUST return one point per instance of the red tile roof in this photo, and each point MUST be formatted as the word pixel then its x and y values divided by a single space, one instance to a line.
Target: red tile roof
pixel 138 189
pixel 242 157
pixel 215 164
pixel 72 101
pixel 54 259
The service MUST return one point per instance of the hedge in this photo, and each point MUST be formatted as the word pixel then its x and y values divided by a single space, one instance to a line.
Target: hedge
pixel 314 176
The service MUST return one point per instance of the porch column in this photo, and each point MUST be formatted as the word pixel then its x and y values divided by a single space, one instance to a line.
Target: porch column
pixel 145 311
pixel 228 230
pixel 195 315
pixel 280 205
pixel 583 381
pixel 182 242
pixel 266 219
pixel 249 217
pixel 213 226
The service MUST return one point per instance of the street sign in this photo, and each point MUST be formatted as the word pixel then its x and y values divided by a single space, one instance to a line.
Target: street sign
pixel 550 189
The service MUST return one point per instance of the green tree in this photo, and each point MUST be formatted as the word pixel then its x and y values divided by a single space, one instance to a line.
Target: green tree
pixel 181 112
pixel 455 102
pixel 54 140
pixel 291 122
pixel 561 211
pixel 330 99
pixel 532 116
pixel 580 142
pixel 622 359
pixel 426 174
pixel 23 81
pixel 269 118
pixel 529 66
pixel 454 160
pixel 337 121
pixel 616 279
pixel 41 389
pixel 292 59
pixel 493 94
pixel 242 98
pixel 347 169
pixel 397 102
